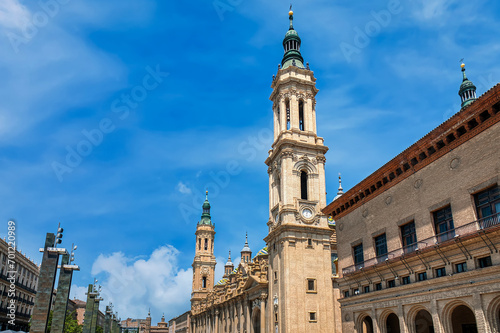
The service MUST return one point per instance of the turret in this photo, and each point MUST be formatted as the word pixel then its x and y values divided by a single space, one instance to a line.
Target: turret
pixel 467 90
pixel 246 253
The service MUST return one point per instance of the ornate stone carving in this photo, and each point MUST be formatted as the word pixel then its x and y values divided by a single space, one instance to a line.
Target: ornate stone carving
pixel 418 183
pixel 287 153
pixel 255 303
pixel 205 271
pixel 321 159
pixel 455 163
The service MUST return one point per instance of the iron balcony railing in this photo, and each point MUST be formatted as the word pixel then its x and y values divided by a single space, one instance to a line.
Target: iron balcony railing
pixel 464 230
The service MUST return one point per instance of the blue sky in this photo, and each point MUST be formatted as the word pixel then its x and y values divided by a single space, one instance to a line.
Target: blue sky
pixel 200 73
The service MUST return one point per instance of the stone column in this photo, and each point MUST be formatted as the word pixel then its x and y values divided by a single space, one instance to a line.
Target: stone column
pixel 263 327
pixel 247 316
pixel 479 312
pixel 216 321
pixel 237 316
pixel 46 280
pixel 89 308
pixel 107 320
pixel 376 328
pixel 438 327
pixel 294 112
pixel 282 114
pixel 402 321
pixel 95 314
pixel 63 288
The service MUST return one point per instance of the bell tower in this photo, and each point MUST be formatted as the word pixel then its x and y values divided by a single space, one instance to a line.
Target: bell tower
pixel 300 285
pixel 204 259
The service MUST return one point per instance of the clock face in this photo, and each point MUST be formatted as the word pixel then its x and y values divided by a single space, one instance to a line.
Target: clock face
pixel 307 213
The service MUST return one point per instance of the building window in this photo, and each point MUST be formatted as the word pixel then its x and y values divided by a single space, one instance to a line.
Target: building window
pixel 378 286
pixel 346 293
pixel 405 280
pixel 358 254
pixel 461 267
pixel 275 276
pixel 391 284
pixel 301 115
pixel 440 272
pixel 311 285
pixel 287 103
pixel 488 206
pixel 276 317
pixel 303 185
pixel 484 262
pixel 381 247
pixel 409 237
pixel 206 244
pixel 443 222
pixel 199 243
pixel 422 276
pixel 309 242
pixel 204 282
pixel 366 289
pixel 312 316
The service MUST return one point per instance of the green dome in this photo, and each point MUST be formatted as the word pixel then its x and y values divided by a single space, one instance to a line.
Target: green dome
pixel 291 44
pixel 205 216
pixel 467 90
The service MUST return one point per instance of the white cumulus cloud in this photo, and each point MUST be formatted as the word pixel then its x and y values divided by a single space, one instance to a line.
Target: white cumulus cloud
pixel 183 188
pixel 13 14
pixel 134 285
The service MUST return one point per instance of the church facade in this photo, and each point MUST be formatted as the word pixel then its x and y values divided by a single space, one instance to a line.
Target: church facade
pixel 418 240
pixel 280 289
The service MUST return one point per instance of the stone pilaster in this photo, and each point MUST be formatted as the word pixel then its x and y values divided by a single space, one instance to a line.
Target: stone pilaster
pixel 46 280
pixel 107 320
pixel 63 289
pixel 89 308
pixel 95 315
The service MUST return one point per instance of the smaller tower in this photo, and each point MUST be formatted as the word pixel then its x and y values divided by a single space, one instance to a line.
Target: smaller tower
pixel 467 90
pixel 246 253
pixel 204 259
pixel 229 267
pixel 340 191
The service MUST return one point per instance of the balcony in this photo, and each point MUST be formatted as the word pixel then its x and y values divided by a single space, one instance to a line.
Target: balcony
pixel 469 229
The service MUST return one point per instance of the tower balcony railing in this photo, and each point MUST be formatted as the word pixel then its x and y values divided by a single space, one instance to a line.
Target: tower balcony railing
pixel 441 239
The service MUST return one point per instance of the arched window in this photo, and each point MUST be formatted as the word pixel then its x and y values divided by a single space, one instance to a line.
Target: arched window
pixel 204 282
pixel 303 185
pixel 301 115
pixel 287 103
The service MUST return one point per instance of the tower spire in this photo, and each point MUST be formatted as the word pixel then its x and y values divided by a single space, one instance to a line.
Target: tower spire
pixel 341 190
pixel 205 216
pixel 467 90
pixel 291 44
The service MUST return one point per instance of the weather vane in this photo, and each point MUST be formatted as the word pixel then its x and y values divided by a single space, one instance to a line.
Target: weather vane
pixel 290 6
pixel 461 60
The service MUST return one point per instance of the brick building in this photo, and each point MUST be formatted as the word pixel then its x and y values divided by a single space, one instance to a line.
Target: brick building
pixel 26 279
pixel 418 239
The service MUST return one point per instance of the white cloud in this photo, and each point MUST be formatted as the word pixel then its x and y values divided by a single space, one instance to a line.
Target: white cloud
pixel 78 292
pixel 134 285
pixel 13 14
pixel 183 188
